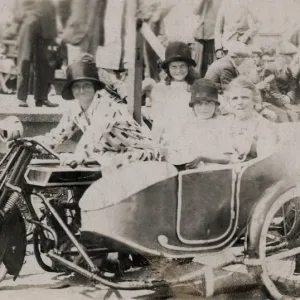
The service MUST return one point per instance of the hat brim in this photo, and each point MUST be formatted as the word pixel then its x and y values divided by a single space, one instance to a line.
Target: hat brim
pixel 192 103
pixel 189 61
pixel 67 93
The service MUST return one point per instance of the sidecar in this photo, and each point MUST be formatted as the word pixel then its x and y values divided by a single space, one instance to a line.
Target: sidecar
pixel 154 210
pixel 157 210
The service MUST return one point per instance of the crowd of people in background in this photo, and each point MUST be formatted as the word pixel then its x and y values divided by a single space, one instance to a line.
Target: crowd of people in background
pixel 222 76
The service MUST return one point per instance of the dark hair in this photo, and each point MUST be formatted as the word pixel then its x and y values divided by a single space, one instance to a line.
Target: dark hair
pixel 190 77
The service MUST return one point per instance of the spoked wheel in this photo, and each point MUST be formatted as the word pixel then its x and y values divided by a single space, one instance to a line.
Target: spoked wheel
pixel 290 222
pixel 279 247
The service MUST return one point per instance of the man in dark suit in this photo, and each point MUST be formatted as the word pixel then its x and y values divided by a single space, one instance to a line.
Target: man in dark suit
pixel 38 30
pixel 224 70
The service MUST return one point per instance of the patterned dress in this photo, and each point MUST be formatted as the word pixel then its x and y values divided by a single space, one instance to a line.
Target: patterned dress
pixel 109 133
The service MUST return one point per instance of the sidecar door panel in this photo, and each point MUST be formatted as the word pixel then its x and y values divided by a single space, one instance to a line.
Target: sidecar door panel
pixel 206 206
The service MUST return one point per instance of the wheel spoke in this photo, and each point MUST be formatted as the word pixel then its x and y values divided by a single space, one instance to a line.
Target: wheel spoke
pixel 283 255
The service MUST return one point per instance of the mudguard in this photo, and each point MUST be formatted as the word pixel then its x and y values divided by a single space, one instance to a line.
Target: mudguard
pixel 13 242
pixel 259 212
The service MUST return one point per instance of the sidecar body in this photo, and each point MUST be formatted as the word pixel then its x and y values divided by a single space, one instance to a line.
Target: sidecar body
pixel 151 208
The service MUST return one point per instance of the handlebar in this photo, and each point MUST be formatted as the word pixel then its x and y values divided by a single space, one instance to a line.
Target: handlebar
pixel 72 165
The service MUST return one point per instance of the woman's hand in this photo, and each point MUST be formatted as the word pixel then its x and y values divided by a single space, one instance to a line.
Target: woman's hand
pixel 269 114
pixel 195 163
pixel 66 159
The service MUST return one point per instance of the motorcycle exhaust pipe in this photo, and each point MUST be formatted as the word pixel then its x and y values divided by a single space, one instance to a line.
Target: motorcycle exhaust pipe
pixel 133 285
pixel 206 280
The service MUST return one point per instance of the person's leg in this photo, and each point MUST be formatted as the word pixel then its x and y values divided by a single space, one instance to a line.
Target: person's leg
pixel 3 79
pixel 199 56
pixel 26 42
pixel 208 55
pixel 41 76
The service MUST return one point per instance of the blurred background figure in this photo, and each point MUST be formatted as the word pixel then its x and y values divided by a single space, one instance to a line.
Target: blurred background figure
pixel 204 48
pixel 153 13
pixel 37 31
pixel 63 11
pixel 84 27
pixel 233 24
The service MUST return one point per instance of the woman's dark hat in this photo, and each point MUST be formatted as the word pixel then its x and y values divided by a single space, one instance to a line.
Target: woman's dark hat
pixel 80 71
pixel 204 89
pixel 178 51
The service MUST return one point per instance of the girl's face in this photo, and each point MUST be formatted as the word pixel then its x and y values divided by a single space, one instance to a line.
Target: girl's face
pixel 204 109
pixel 256 59
pixel 178 70
pixel 84 92
pixel 241 100
pixel 267 60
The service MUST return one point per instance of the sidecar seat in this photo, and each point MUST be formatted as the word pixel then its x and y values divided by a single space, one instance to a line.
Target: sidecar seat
pixel 125 182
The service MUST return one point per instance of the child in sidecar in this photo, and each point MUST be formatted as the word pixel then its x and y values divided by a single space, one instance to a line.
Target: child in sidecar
pixel 110 134
pixel 245 134
pixel 203 129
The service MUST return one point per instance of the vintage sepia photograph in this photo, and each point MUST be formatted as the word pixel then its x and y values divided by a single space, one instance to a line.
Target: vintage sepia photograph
pixel 149 149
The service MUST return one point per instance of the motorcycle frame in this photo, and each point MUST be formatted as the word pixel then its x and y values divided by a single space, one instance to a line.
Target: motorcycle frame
pixel 16 183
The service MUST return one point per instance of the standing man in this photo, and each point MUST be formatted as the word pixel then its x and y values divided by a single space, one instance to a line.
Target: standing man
pixel 37 32
pixel 233 24
pixel 207 11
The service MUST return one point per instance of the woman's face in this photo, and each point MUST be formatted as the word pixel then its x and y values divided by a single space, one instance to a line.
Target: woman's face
pixel 178 70
pixel 241 100
pixel 84 92
pixel 204 109
pixel 267 60
pixel 256 58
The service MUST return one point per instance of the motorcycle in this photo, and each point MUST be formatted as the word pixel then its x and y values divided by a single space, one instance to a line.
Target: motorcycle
pixel 147 222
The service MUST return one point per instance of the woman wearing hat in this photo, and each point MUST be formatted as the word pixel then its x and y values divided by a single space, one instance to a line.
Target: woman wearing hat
pixel 199 134
pixel 171 97
pixel 246 134
pixel 110 135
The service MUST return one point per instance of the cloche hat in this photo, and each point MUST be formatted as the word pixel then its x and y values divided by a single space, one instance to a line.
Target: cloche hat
pixel 203 89
pixel 80 70
pixel 178 51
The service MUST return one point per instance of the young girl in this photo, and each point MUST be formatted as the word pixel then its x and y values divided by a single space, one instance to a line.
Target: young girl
pixel 200 133
pixel 170 98
pixel 246 134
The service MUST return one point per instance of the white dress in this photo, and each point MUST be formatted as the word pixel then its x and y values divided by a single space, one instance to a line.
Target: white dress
pixel 170 109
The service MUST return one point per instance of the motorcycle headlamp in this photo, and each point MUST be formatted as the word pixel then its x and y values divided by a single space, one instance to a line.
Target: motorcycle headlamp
pixel 11 128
